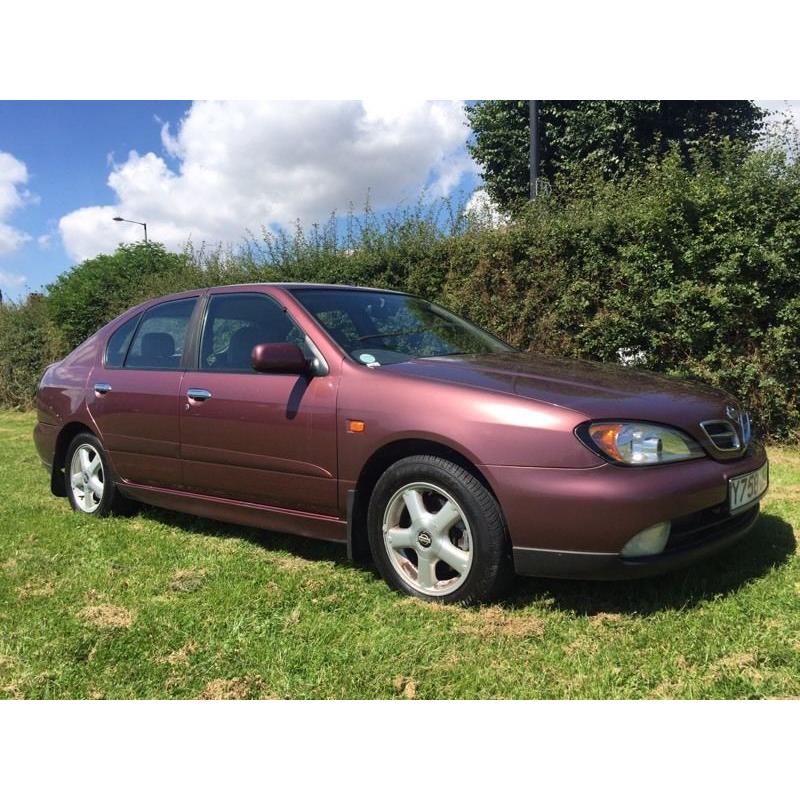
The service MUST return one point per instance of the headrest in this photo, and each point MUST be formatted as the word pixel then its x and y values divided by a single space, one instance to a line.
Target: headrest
pixel 158 345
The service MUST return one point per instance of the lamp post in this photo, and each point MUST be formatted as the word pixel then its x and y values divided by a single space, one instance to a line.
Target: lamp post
pixel 533 157
pixel 134 222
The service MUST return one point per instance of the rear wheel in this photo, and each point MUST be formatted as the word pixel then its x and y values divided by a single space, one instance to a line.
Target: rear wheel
pixel 437 533
pixel 87 478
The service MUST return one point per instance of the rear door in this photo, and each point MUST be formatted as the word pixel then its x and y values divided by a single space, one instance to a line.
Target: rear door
pixel 257 437
pixel 134 393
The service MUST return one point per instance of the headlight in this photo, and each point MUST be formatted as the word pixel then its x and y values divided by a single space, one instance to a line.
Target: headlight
pixel 639 443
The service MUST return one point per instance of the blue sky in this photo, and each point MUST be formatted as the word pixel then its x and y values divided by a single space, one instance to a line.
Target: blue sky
pixel 65 147
pixel 206 171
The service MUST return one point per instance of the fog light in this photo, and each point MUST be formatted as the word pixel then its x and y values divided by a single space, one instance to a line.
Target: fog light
pixel 648 542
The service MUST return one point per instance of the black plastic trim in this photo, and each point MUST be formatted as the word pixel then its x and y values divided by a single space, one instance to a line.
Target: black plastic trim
pixel 611 566
pixel 351 504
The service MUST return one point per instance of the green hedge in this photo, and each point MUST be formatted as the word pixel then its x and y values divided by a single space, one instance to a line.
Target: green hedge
pixel 696 269
pixel 29 341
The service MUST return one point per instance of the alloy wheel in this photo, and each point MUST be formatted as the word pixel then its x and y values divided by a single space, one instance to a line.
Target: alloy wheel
pixel 428 538
pixel 87 479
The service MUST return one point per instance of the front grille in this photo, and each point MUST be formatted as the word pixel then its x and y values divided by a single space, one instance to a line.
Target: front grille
pixel 722 434
pixel 710 523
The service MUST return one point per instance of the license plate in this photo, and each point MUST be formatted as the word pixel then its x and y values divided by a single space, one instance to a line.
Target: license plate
pixel 746 489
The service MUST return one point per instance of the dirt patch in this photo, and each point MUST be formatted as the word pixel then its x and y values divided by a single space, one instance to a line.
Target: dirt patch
pixel 187 580
pixel 787 457
pixel 11 691
pixel 784 493
pixel 289 563
pixel 405 687
pixel 583 645
pixel 494 621
pixel 9 566
pixel 668 689
pixel 293 618
pixel 36 589
pixel 107 616
pixel 178 657
pixel 249 688
pixel 603 617
pixel 736 663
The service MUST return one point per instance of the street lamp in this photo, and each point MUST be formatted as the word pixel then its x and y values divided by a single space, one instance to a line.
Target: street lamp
pixel 533 159
pixel 134 222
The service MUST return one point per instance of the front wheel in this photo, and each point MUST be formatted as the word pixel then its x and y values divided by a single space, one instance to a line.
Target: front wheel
pixel 436 532
pixel 87 478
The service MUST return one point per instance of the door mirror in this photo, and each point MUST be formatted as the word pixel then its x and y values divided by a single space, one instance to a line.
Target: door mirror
pixel 283 357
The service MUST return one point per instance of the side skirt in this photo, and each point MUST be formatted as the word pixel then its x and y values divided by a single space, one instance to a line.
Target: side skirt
pixel 236 512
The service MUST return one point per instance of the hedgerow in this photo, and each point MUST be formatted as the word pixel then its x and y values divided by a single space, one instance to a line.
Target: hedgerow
pixel 694 268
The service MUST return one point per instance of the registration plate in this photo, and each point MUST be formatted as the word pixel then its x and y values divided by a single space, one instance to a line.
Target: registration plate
pixel 746 489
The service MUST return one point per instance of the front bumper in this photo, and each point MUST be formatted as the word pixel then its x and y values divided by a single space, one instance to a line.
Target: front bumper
pixel 576 521
pixel 691 544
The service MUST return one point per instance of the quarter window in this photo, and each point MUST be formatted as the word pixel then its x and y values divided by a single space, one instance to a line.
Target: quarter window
pixel 118 343
pixel 236 323
pixel 161 338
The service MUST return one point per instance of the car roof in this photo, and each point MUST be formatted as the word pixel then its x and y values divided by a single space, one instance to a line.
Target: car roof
pixel 286 285
pixel 289 285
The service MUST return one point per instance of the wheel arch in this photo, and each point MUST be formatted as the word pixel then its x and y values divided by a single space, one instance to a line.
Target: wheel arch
pixel 386 455
pixel 65 436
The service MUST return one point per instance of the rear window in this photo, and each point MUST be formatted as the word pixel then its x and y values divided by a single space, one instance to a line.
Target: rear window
pixel 161 337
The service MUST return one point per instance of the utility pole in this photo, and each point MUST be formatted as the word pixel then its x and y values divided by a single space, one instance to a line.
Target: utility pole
pixel 533 160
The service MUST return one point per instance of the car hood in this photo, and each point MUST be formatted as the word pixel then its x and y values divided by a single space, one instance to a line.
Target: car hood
pixel 598 391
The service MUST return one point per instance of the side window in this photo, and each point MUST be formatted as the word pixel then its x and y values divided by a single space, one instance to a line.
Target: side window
pixel 236 323
pixel 118 342
pixel 161 336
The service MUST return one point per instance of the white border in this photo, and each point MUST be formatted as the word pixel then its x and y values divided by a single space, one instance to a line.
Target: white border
pixel 648 749
pixel 309 49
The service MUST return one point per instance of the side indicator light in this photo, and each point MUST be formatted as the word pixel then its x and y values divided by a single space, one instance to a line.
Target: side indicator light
pixel 356 426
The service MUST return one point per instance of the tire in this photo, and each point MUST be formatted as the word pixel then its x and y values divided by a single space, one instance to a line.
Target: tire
pixel 88 482
pixel 437 533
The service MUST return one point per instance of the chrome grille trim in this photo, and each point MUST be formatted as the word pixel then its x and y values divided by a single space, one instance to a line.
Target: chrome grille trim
pixel 747 429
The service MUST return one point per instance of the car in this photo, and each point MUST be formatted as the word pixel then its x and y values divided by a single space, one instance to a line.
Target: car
pixel 384 422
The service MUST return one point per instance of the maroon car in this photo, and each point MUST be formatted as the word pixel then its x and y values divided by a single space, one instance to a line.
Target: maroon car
pixel 380 420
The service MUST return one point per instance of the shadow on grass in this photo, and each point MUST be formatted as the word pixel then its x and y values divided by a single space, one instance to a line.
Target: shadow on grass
pixel 302 546
pixel 770 544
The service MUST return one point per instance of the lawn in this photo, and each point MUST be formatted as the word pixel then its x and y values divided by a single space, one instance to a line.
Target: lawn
pixel 162 605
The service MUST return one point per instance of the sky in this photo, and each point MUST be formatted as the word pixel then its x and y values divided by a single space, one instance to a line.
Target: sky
pixel 209 171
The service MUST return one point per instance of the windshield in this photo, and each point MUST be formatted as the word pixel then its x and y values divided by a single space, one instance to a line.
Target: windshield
pixel 377 328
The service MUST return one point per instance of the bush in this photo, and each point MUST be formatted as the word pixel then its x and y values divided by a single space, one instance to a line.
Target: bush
pixel 697 269
pixel 28 343
pixel 91 294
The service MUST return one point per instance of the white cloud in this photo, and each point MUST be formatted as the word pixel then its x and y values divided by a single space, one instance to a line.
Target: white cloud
pixel 11 280
pixel 484 210
pixel 244 165
pixel 13 195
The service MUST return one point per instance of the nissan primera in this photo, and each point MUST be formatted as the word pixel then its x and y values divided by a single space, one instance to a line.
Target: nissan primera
pixel 384 422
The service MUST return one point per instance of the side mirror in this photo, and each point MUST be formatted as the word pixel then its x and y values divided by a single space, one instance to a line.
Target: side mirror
pixel 286 358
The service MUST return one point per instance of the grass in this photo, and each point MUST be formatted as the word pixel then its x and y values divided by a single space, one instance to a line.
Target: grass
pixel 162 605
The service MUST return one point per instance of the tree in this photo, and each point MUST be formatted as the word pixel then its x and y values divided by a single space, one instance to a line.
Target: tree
pixel 91 294
pixel 614 136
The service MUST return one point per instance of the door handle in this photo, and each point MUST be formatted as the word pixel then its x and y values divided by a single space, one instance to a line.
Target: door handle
pixel 199 395
pixel 102 388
